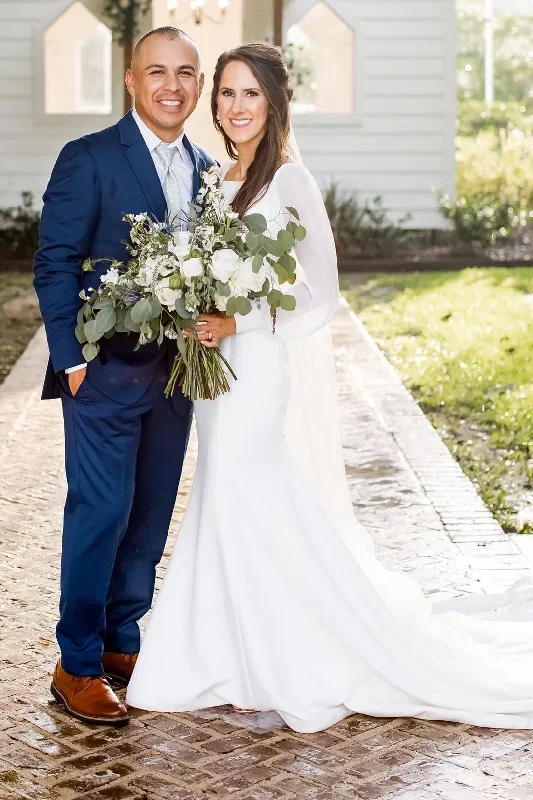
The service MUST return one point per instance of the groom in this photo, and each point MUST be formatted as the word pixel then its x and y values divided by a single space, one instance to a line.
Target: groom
pixel 125 442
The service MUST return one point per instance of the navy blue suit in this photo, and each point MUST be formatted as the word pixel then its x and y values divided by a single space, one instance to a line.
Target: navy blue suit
pixel 124 442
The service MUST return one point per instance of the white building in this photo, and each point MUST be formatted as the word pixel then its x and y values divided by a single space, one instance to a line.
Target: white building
pixel 375 111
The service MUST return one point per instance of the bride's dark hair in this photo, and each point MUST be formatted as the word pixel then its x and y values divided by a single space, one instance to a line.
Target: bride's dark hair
pixel 270 71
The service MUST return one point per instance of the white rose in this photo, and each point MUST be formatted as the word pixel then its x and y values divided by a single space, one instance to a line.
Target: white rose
pixel 145 276
pixel 179 245
pixel 166 295
pixel 224 263
pixel 192 268
pixel 246 279
pixel 212 177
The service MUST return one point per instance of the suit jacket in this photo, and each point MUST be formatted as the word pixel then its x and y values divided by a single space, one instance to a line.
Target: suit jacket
pixel 95 181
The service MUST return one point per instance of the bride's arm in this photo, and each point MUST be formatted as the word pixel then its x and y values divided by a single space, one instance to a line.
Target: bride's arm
pixel 317 287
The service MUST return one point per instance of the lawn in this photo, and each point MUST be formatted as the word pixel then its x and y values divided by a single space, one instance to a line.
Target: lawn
pixel 19 317
pixel 463 344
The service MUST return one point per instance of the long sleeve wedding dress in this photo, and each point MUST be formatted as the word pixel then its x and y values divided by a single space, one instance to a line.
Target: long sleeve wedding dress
pixel 273 598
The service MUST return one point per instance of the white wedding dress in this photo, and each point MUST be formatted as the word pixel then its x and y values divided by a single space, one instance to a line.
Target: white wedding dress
pixel 273 598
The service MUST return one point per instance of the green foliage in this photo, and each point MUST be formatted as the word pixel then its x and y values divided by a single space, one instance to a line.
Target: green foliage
pixel 494 199
pixel 474 116
pixel 19 229
pixel 463 343
pixel 123 16
pixel 363 230
pixel 513 61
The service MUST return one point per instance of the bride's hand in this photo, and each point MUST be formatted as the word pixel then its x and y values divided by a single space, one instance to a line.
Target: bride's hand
pixel 212 328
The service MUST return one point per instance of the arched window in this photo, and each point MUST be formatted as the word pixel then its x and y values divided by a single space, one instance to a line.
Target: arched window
pixel 77 63
pixel 320 50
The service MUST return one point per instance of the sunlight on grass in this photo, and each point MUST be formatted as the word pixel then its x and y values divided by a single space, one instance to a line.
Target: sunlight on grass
pixel 463 344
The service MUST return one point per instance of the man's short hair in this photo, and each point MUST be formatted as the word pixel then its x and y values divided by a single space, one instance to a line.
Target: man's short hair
pixel 167 31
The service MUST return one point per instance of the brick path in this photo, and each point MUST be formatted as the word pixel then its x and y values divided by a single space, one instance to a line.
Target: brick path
pixel 426 519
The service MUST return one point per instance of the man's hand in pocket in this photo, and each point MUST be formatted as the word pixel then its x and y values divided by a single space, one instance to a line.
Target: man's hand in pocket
pixel 75 380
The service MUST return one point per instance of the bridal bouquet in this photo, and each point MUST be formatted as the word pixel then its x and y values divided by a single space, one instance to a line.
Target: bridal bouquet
pixel 220 264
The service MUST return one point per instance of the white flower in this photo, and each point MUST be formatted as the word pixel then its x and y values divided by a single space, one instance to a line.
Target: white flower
pixel 246 279
pixel 166 295
pixel 221 302
pixel 192 268
pixel 224 263
pixel 139 217
pixel 145 276
pixel 179 245
pixel 111 276
pixel 212 177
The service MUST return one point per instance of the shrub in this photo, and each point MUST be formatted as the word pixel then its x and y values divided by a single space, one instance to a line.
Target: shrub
pixel 483 221
pixel 19 229
pixel 363 231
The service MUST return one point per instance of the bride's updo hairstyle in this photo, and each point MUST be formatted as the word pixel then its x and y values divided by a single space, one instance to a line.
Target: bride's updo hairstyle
pixel 270 71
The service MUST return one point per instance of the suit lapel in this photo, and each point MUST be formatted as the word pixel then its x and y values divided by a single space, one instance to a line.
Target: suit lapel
pixel 141 162
pixel 197 165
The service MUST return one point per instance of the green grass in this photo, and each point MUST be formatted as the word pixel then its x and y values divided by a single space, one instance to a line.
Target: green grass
pixel 463 344
pixel 19 317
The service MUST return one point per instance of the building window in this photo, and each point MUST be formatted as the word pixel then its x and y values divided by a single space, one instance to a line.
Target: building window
pixel 320 52
pixel 77 63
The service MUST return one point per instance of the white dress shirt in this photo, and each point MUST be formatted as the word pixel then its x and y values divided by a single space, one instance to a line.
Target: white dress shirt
pixel 181 169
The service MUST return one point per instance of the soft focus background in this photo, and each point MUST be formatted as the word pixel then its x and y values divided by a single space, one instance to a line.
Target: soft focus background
pixel 416 118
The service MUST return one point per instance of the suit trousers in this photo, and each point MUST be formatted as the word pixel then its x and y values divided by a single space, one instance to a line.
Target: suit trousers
pixel 123 466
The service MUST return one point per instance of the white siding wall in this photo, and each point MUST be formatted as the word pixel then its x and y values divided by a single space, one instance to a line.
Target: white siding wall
pixel 399 143
pixel 29 140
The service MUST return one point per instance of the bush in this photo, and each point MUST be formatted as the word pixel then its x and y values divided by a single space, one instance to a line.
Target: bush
pixel 483 221
pixel 474 116
pixel 363 231
pixel 19 229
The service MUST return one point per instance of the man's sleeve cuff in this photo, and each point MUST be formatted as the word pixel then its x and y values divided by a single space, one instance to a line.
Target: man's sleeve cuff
pixel 75 369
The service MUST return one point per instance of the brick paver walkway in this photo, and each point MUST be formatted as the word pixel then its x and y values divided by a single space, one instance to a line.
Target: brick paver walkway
pixel 426 519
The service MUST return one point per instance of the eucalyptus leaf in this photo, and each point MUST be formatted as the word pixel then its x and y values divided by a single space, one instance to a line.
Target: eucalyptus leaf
pixel 232 307
pixel 161 335
pixel 273 247
pixel 281 272
pixel 288 302
pixel 103 302
pixel 182 346
pixel 230 234
pixel 105 319
pixel 286 240
pixel 257 262
pixel 256 223
pixel 156 308
pixel 223 289
pixel 90 351
pixel 252 241
pixel 109 334
pixel 80 319
pixel 80 334
pixel 141 311
pixel 274 298
pixel 291 278
pixel 266 287
pixel 179 305
pixel 300 233
pixel 119 324
pixel 288 262
pixel 293 212
pixel 91 331
pixel 129 324
pixel 243 306
pixel 291 226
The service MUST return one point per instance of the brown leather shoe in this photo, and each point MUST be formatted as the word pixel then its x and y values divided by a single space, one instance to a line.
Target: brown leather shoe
pixel 88 698
pixel 119 666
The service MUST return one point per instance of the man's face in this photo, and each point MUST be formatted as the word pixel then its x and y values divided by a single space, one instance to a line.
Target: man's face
pixel 166 82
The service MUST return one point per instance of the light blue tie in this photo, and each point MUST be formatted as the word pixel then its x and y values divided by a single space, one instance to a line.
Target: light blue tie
pixel 171 187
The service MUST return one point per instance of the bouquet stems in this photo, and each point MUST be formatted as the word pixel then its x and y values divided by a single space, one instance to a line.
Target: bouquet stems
pixel 201 373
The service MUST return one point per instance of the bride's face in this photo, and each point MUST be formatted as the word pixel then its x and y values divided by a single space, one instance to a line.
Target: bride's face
pixel 242 104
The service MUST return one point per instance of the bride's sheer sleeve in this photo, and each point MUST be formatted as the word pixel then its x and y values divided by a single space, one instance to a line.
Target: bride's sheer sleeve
pixel 317 286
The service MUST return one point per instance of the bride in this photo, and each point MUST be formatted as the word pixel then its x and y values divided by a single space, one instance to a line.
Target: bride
pixel 273 599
